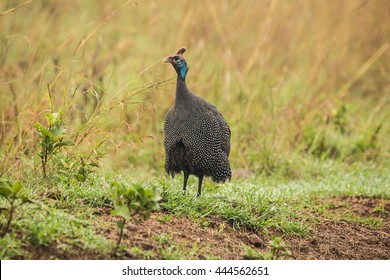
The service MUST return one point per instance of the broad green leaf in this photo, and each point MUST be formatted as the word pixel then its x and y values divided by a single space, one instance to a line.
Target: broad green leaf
pixel 51 118
pixel 122 211
pixel 5 191
pixel 129 193
pixel 58 132
pixel 25 199
pixel 275 242
pixel 43 130
pixel 16 187
pixel 63 143
pixel 135 205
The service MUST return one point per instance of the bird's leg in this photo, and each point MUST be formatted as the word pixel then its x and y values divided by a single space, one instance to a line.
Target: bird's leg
pixel 185 182
pixel 200 185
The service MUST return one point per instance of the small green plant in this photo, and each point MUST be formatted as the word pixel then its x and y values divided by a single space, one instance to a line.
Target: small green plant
pixel 279 248
pixel 74 167
pixel 339 118
pixel 12 193
pixel 379 210
pixel 167 249
pixel 10 246
pixel 51 138
pixel 368 145
pixel 252 254
pixel 163 239
pixel 164 218
pixel 171 253
pixel 132 202
pixel 143 254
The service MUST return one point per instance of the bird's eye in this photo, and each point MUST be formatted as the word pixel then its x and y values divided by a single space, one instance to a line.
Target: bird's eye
pixel 176 57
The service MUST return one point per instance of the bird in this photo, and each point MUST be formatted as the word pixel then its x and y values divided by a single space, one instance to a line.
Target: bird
pixel 196 135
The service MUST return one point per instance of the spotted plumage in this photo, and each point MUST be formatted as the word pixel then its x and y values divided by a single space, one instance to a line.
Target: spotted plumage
pixel 197 137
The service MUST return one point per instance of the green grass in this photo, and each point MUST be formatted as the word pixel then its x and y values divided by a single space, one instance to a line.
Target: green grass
pixel 273 202
pixel 63 214
pixel 313 84
pixel 59 216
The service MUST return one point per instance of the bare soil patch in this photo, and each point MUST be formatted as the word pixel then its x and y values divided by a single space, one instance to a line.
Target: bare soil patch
pixel 216 239
pixel 333 237
pixel 338 238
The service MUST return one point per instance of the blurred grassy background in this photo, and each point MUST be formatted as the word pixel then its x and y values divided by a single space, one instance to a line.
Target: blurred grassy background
pixel 298 81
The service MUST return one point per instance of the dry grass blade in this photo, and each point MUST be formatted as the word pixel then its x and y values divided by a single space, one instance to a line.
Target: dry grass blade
pixel 365 67
pixel 15 8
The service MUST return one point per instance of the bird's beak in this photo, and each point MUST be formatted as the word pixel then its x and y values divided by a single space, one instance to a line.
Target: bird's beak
pixel 168 59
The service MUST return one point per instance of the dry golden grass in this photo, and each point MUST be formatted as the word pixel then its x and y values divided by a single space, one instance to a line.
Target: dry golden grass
pixel 291 77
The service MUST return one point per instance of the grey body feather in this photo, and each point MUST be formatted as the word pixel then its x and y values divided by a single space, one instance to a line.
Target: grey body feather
pixel 197 138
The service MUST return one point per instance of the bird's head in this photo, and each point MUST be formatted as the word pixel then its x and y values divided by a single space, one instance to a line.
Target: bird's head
pixel 179 63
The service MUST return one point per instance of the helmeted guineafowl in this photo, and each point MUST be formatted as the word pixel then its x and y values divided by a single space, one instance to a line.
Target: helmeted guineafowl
pixel 197 137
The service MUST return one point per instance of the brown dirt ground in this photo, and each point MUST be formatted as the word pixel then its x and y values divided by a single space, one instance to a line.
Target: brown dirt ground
pixel 340 239
pixel 333 236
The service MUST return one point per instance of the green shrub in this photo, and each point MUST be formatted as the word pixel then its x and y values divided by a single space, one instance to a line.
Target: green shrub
pixel 14 197
pixel 51 138
pixel 132 202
